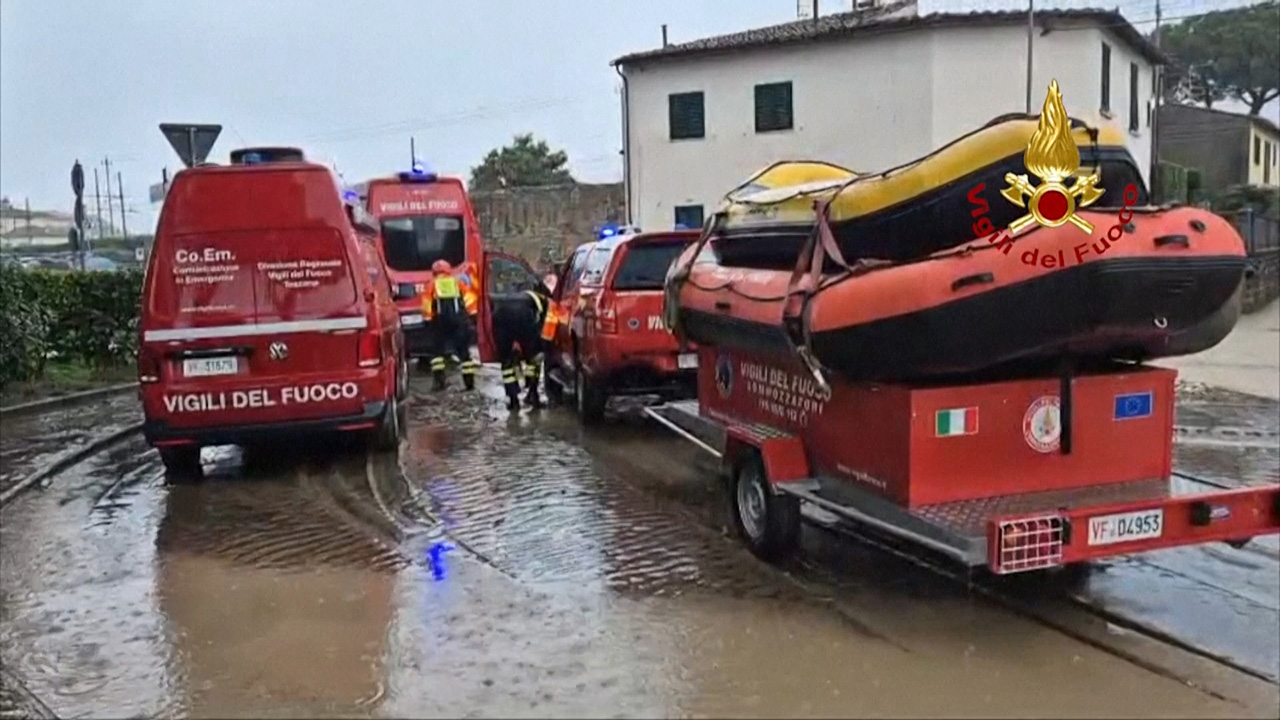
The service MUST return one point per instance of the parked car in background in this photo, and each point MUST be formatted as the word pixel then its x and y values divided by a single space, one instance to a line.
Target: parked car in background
pixel 616 342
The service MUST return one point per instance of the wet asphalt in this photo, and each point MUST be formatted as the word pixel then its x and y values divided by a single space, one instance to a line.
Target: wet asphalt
pixel 523 566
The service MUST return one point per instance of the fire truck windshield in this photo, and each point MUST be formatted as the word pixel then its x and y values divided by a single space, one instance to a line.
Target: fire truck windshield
pixel 414 243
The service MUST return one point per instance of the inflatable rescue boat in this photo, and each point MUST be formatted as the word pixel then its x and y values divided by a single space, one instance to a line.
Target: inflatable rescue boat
pixel 937 202
pixel 1169 285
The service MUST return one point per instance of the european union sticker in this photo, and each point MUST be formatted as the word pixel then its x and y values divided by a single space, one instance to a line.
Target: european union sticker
pixel 1132 406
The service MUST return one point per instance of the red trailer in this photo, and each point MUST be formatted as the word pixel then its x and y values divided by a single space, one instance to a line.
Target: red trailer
pixel 1013 474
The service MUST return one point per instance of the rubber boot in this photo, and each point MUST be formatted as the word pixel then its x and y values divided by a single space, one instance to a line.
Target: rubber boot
pixel 437 377
pixel 513 402
pixel 531 397
pixel 469 381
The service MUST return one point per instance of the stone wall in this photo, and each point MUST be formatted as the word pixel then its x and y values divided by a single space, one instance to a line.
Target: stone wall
pixel 544 224
pixel 1262 280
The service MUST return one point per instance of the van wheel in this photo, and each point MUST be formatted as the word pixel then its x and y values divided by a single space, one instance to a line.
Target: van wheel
pixel 402 378
pixel 391 430
pixel 769 523
pixel 591 399
pixel 181 464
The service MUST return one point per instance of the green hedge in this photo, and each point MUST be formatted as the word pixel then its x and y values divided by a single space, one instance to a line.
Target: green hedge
pixel 85 317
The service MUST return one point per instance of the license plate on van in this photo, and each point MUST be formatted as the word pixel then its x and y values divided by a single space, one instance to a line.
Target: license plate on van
pixel 687 361
pixel 204 367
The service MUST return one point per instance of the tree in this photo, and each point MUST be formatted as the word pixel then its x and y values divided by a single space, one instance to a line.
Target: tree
pixel 523 163
pixel 1227 53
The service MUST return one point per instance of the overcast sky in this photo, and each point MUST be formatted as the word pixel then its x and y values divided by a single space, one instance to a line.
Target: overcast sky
pixel 350 81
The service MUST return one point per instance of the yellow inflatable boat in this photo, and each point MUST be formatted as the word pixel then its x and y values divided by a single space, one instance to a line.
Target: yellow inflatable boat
pixel 939 201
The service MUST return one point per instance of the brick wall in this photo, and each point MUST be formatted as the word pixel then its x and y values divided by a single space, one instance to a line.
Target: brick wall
pixel 544 224
pixel 1262 280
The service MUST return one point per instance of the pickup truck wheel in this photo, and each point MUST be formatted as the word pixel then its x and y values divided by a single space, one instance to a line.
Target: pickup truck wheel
pixel 591 399
pixel 555 391
pixel 181 464
pixel 768 522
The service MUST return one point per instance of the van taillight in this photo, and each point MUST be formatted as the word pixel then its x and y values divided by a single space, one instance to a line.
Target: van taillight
pixel 370 352
pixel 148 365
pixel 606 318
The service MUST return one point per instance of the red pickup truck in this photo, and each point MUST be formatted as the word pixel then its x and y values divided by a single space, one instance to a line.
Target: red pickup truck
pixel 615 342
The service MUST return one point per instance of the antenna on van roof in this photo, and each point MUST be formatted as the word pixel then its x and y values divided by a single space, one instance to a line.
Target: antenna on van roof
pixel 191 142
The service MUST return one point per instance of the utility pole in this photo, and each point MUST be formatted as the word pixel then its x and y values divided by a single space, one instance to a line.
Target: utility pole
pixel 1031 33
pixel 124 227
pixel 97 201
pixel 413 154
pixel 111 218
pixel 1157 92
pixel 815 9
pixel 30 240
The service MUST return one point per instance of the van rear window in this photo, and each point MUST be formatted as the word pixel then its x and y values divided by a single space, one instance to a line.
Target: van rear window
pixel 267 275
pixel 414 243
pixel 645 266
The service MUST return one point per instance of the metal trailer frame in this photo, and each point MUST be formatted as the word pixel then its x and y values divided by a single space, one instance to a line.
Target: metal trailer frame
pixel 1010 533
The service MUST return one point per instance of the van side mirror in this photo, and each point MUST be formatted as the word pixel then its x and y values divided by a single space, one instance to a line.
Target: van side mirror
pixel 404 291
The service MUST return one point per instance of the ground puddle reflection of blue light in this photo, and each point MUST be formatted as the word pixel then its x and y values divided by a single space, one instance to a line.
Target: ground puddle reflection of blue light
pixel 435 558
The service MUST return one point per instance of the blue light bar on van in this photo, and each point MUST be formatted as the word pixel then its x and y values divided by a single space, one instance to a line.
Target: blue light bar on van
pixel 351 197
pixel 419 173
pixel 608 231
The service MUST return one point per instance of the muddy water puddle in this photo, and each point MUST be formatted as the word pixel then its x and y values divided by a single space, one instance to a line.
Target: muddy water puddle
pixel 502 566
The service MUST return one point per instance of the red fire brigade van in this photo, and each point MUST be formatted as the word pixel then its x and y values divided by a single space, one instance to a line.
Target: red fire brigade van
pixel 616 342
pixel 423 218
pixel 266 309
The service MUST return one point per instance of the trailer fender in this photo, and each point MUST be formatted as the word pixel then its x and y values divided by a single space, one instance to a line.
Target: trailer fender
pixel 785 460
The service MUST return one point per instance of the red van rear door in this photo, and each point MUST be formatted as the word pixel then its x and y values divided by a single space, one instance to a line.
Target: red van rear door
pixel 257 307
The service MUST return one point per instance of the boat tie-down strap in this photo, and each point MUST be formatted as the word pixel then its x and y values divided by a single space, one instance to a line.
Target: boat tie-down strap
pixel 678 275
pixel 807 280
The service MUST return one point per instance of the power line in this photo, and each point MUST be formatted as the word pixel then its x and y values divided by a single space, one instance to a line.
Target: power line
pixel 426 122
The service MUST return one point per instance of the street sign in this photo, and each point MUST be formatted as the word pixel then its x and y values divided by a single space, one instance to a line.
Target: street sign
pixel 191 142
pixel 77 179
pixel 158 191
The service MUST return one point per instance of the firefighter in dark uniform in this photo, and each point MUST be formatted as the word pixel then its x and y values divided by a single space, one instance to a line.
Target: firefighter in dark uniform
pixel 523 327
pixel 446 304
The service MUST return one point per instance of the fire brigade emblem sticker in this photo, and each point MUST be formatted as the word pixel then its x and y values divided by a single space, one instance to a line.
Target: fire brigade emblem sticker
pixel 1041 425
pixel 724 375
pixel 278 351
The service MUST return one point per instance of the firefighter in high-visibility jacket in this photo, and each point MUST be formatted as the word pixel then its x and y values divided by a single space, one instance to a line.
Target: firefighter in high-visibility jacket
pixel 446 305
pixel 524 327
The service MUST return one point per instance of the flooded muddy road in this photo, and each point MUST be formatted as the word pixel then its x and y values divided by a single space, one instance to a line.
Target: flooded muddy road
pixel 519 566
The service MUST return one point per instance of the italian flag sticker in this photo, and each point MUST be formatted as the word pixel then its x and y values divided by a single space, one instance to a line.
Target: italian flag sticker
pixel 956 421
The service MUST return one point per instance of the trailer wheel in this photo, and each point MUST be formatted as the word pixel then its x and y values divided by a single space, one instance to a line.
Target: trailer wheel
pixel 768 522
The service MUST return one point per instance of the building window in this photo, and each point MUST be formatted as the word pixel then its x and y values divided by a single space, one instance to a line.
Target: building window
pixel 689 216
pixel 773 107
pixel 1133 97
pixel 1257 150
pixel 1106 78
pixel 687 115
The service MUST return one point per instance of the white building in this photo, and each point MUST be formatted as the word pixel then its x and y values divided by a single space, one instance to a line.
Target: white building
pixel 867 90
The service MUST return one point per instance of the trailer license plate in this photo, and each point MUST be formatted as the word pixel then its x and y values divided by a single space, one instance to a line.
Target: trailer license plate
pixel 1126 527
pixel 687 361
pixel 204 367
pixel 410 320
